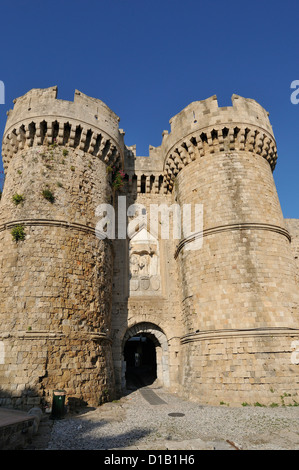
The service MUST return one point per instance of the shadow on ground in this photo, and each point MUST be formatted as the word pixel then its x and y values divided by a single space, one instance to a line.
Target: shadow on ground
pixel 79 433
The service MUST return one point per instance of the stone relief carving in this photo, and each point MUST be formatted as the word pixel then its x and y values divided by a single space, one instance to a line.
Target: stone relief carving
pixel 144 264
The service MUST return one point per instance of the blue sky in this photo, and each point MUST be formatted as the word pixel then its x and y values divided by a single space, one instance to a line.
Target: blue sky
pixel 147 60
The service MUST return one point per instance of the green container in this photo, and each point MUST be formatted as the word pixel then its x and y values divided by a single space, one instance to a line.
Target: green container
pixel 58 404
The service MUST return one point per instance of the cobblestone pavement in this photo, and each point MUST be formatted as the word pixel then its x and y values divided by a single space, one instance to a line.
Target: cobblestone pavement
pixel 150 418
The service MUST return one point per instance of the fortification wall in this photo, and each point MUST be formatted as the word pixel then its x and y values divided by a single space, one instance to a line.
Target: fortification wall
pixel 293 227
pixel 238 270
pixel 56 282
pixel 237 367
pixel 87 120
pixel 204 129
pixel 241 276
pixel 146 291
pixel 222 316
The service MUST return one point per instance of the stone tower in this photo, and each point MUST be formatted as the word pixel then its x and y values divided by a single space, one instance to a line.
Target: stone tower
pixel 239 296
pixel 56 282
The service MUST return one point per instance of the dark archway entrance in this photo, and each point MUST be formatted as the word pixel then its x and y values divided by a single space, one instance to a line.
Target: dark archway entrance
pixel 156 354
pixel 141 361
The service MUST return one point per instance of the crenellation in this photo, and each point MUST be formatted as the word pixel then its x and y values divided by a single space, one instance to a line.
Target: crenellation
pixel 213 141
pixel 197 130
pixel 80 123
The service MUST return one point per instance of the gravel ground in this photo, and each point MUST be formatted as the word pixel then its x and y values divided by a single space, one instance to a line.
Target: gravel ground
pixel 134 423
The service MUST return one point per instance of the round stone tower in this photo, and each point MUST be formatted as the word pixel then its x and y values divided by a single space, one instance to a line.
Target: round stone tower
pixel 56 274
pixel 238 275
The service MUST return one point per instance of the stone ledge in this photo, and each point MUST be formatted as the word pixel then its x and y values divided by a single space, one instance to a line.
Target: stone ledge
pixel 47 222
pixel 37 335
pixel 229 228
pixel 208 335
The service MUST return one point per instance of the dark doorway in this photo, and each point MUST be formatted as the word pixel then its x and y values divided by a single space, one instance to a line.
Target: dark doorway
pixel 141 363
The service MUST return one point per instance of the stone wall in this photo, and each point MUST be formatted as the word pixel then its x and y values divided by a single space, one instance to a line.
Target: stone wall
pixel 56 282
pixel 241 367
pixel 155 299
pixel 293 227
pixel 241 275
pixel 232 304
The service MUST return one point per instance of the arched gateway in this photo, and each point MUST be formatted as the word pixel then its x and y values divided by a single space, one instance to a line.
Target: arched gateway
pixel 145 351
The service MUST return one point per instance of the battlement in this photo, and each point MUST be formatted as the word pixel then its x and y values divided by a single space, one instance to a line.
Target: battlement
pixel 85 122
pixel 203 127
pixel 200 114
pixel 44 102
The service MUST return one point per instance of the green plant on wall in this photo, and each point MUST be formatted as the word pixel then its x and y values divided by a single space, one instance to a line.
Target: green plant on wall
pixel 117 177
pixel 47 194
pixel 18 233
pixel 118 180
pixel 17 198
